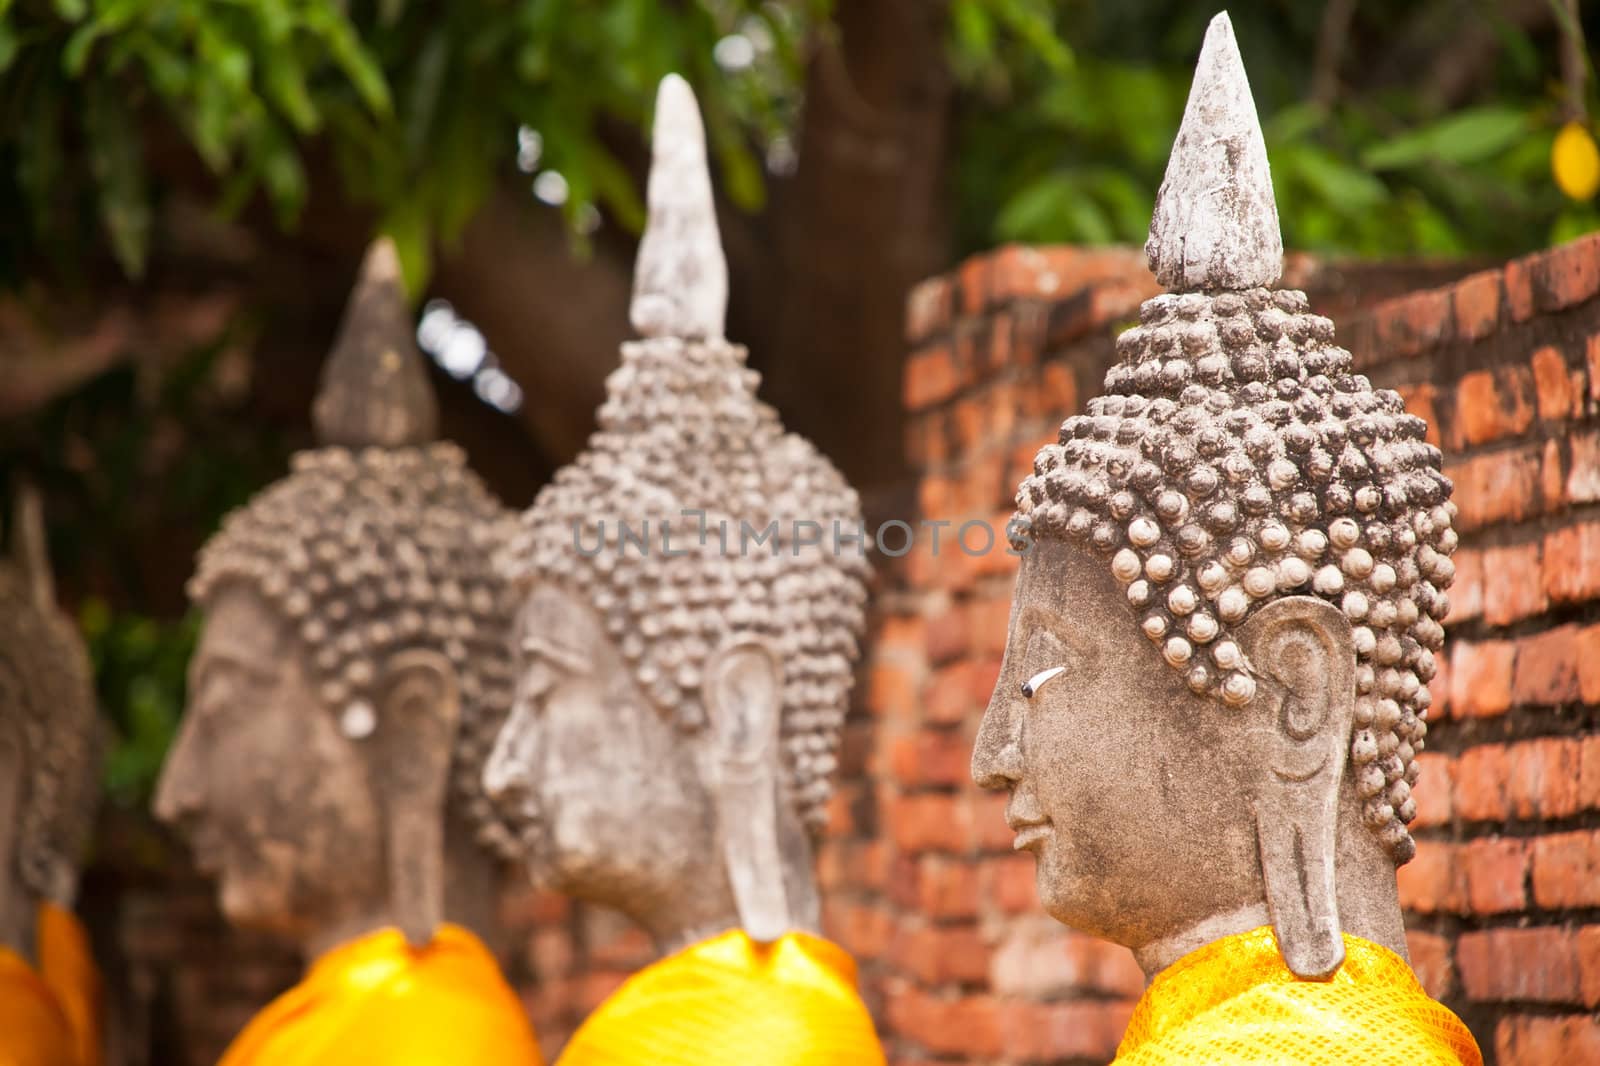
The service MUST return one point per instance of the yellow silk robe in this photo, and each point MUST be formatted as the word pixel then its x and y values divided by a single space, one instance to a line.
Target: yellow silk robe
pixel 34 1030
pixel 729 1001
pixel 1234 1002
pixel 67 966
pixel 378 1002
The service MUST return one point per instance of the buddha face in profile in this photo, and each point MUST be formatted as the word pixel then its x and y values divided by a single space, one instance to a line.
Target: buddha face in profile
pixel 349 671
pixel 618 801
pixel 1215 681
pixel 268 788
pixel 679 703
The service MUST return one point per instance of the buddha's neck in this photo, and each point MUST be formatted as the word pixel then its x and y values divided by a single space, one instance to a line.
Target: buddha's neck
pixel 1368 900
pixel 710 910
pixel 471 897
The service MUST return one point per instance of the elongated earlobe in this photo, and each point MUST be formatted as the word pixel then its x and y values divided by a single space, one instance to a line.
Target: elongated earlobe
pixel 743 690
pixel 410 767
pixel 1302 650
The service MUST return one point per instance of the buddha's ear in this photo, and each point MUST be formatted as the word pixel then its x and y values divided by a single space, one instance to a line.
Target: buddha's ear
pixel 742 691
pixel 1301 650
pixel 409 765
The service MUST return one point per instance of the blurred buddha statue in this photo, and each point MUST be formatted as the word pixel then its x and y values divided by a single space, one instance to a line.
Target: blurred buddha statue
pixel 352 672
pixel 50 996
pixel 1215 683
pixel 687 626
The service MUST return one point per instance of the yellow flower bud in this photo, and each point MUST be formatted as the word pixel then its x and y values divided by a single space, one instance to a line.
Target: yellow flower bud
pixel 1575 162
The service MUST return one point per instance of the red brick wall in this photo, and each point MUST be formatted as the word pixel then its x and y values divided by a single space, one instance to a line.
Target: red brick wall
pixel 1503 901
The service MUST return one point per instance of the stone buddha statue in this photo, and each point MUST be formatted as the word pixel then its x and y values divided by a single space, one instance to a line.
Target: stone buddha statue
pixel 685 638
pixel 49 761
pixel 1216 677
pixel 350 678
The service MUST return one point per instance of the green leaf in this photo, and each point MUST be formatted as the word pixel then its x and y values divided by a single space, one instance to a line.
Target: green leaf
pixel 1466 137
pixel 71 10
pixel 407 226
pixel 117 162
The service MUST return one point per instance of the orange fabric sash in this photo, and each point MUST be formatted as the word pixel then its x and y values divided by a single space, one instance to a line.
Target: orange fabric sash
pixel 1235 1002
pixel 34 1030
pixel 378 1002
pixel 67 965
pixel 729 1001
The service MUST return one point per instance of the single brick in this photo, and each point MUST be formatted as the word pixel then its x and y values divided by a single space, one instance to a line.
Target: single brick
pixel 946 887
pixel 1477 305
pixel 1572 563
pixel 1512 585
pixel 1433 963
pixel 1432 882
pixel 1492 405
pixel 1552 477
pixel 929 822
pixel 1536 965
pixel 1566 870
pixel 1413 323
pixel 1480 794
pixel 1500 487
pixel 1543 778
pixel 1466 592
pixel 975 277
pixel 1496 874
pixel 1480 678
pixel 1538 1040
pixel 1567 275
pixel 930 377
pixel 941 954
pixel 1583 476
pixel 1546 669
pixel 928 308
pixel 1434 789
pixel 1008 882
pixel 1519 289
pixel 1418 398
pixel 1551 384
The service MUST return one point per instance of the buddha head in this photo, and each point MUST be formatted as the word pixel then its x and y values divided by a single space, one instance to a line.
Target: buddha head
pixel 1216 678
pixel 49 736
pixel 686 625
pixel 352 668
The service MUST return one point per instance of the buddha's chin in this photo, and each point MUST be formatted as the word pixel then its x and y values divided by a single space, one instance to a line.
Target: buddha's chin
pixel 247 903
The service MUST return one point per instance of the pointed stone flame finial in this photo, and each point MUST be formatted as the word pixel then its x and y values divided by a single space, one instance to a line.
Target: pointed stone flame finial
pixel 1215 225
pixel 680 282
pixel 375 390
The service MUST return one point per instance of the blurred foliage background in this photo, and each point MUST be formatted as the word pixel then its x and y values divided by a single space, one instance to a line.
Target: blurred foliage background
pixel 187 185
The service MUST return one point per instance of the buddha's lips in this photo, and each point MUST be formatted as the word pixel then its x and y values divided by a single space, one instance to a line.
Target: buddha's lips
pixel 1030 835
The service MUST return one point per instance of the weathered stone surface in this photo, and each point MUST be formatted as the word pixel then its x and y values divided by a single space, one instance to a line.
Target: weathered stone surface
pixel 50 736
pixel 1216 220
pixel 352 671
pixel 680 281
pixel 689 618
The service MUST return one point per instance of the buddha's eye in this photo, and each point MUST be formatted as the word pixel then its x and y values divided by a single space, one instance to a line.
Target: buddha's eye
pixel 1031 687
pixel 1046 660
